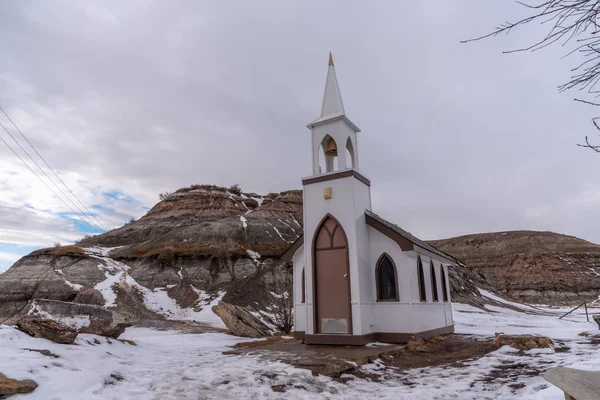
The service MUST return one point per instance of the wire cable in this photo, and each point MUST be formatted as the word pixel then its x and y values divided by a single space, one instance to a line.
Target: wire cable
pixel 49 188
pixel 54 183
pixel 50 168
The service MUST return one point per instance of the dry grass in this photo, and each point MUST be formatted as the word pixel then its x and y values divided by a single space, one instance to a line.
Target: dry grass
pixel 275 339
pixel 421 345
pixel 523 342
pixel 67 250
pixel 200 249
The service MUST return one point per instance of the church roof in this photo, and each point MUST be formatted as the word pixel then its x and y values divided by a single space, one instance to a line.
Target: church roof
pixel 407 235
pixel 405 239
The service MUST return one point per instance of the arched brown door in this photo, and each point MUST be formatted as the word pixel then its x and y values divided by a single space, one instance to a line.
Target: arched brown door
pixel 332 279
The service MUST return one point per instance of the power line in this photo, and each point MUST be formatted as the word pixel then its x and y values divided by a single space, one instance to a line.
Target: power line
pixel 49 188
pixel 54 183
pixel 50 168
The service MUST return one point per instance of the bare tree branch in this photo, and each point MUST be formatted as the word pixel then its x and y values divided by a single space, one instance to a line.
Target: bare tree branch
pixel 569 20
pixel 589 146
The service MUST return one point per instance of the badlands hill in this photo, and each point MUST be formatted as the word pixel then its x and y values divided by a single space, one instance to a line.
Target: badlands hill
pixel 199 245
pixel 531 267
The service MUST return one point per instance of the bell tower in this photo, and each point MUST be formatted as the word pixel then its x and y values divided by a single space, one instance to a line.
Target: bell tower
pixel 336 239
pixel 334 144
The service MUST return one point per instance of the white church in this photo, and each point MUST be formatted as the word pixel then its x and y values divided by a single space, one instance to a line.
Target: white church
pixel 357 277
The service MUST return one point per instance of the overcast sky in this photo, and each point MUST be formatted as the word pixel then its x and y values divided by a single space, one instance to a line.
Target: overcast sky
pixel 129 99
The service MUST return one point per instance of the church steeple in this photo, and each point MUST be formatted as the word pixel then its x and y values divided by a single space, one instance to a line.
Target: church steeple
pixel 332 98
pixel 333 132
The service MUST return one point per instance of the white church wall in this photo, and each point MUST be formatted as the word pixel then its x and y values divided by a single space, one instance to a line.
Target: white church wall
pixel 299 307
pixel 300 317
pixel 382 244
pixel 428 315
pixel 387 316
pixel 346 200
pixel 391 317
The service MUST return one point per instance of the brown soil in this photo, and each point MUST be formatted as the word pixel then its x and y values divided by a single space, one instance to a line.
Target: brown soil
pixel 275 339
pixel 447 349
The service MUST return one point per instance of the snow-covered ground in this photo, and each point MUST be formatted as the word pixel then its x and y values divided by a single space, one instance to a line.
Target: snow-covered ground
pixel 174 365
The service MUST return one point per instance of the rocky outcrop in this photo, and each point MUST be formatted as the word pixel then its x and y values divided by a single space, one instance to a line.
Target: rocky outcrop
pixel 531 267
pixel 84 318
pixel 198 239
pixel 240 322
pixel 89 296
pixel 47 329
pixel 105 328
pixel 55 273
pixel 9 386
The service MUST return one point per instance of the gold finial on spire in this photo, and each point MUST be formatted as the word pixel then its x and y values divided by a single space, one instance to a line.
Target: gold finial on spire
pixel 330 59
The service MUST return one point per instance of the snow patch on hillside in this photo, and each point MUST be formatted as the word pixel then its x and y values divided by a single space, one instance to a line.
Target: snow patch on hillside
pixel 158 299
pixel 74 286
pixel 76 322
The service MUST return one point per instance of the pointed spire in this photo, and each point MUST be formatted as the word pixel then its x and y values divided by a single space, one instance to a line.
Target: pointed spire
pixel 332 98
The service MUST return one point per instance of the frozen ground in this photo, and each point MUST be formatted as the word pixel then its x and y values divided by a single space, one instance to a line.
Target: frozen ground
pixel 173 365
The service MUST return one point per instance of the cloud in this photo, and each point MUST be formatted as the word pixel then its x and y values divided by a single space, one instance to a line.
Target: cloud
pixel 136 98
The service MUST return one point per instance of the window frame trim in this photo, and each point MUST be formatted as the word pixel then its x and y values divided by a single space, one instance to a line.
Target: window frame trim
pixel 435 296
pixel 445 292
pixel 421 281
pixel 378 280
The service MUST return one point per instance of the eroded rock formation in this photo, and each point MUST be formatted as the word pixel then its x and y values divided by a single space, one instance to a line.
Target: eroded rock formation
pixel 47 329
pixel 531 267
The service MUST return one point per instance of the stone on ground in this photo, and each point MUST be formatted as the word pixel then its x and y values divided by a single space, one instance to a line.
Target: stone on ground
pixel 13 386
pixel 240 322
pixel 47 329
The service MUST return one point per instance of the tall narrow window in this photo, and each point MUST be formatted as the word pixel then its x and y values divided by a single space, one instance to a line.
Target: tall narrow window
pixel 421 275
pixel 387 288
pixel 303 285
pixel 444 283
pixel 434 284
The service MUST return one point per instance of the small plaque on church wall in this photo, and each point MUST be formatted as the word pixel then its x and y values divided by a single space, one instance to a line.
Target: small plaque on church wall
pixel 327 193
pixel 334 325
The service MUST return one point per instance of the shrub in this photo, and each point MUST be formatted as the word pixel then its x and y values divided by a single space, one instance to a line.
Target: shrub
pixel 283 306
pixel 235 189
pixel 163 196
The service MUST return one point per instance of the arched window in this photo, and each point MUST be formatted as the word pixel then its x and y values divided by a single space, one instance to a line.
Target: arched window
pixel 444 283
pixel 350 163
pixel 434 284
pixel 322 160
pixel 330 152
pixel 421 275
pixel 387 288
pixel 303 286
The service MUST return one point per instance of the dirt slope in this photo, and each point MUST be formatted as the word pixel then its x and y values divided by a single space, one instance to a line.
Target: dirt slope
pixel 530 266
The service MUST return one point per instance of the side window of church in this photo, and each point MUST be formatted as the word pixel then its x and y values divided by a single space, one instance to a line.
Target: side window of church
pixel 421 275
pixel 444 283
pixel 386 279
pixel 434 288
pixel 303 285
